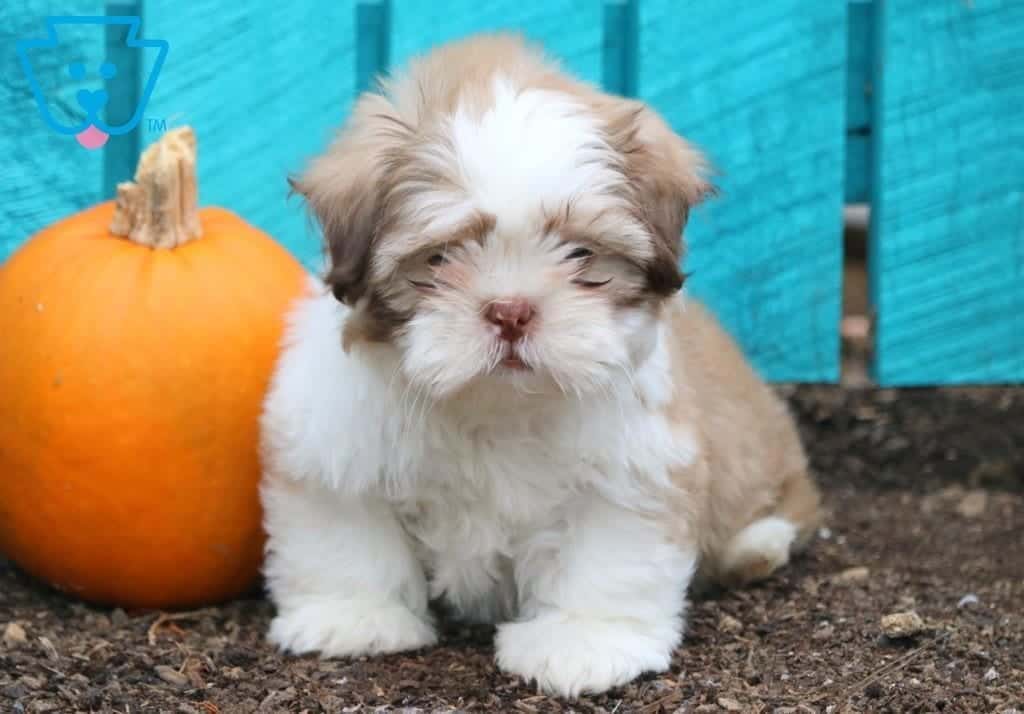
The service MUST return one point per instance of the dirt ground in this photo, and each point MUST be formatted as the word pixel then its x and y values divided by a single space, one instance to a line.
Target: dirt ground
pixel 925 493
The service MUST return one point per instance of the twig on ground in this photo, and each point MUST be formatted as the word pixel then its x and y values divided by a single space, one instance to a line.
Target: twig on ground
pixel 167 617
pixel 894 666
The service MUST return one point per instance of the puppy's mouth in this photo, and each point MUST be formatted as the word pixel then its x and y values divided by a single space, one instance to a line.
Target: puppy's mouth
pixel 512 360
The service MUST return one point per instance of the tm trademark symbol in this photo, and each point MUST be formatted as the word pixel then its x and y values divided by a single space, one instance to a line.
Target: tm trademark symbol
pixel 155 125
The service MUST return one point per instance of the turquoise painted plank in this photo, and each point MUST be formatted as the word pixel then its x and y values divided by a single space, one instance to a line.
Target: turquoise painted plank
pixel 570 30
pixel 761 88
pixel 860 54
pixel 858 64
pixel 619 48
pixel 373 41
pixel 265 84
pixel 45 176
pixel 124 90
pixel 947 250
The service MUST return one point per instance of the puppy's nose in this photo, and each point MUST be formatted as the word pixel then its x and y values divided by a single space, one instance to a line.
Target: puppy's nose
pixel 512 316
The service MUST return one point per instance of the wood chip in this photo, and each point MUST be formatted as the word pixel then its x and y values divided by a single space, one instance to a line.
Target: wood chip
pixel 900 625
pixel 851 576
pixel 973 504
pixel 14 635
pixel 48 648
pixel 730 705
pixel 728 623
pixel 171 676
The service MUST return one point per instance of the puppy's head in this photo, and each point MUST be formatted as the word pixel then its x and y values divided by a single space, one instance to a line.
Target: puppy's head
pixel 501 224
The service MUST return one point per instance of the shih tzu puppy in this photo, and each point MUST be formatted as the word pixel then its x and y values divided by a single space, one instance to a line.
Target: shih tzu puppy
pixel 500 401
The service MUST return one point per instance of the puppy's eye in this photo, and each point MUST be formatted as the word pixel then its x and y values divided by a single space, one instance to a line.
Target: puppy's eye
pixel 591 283
pixel 579 254
pixel 437 260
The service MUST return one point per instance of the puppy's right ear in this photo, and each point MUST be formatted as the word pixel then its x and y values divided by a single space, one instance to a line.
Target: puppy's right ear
pixel 345 188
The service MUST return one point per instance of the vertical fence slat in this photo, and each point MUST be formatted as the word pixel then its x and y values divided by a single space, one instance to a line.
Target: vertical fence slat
pixel 947 250
pixel 121 153
pixel 619 47
pixel 860 55
pixel 373 41
pixel 761 88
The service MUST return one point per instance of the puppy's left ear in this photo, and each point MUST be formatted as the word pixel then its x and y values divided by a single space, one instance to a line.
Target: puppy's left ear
pixel 667 177
pixel 345 188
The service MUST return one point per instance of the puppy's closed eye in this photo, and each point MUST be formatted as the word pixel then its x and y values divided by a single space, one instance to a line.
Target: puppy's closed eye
pixel 580 254
pixel 423 271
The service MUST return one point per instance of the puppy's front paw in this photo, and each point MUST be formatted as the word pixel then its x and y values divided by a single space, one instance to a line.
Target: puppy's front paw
pixel 569 656
pixel 348 628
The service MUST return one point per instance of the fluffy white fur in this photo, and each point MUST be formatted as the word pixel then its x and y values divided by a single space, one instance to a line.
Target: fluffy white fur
pixel 570 502
pixel 543 514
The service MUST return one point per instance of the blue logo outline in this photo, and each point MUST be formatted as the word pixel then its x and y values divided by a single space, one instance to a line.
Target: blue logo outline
pixel 51 41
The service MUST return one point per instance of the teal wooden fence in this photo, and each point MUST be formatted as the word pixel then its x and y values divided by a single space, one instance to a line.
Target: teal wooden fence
pixel 915 107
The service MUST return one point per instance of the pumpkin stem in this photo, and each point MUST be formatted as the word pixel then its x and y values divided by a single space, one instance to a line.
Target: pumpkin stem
pixel 160 208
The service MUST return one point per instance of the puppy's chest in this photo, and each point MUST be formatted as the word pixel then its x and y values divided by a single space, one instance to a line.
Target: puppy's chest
pixel 480 494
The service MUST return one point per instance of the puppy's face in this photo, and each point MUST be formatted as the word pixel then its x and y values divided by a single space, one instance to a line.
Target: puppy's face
pixel 506 228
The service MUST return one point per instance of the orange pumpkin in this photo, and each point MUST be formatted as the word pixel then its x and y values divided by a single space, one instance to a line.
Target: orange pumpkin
pixel 138 338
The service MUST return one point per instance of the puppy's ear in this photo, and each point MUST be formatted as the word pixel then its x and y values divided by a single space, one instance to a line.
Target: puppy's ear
pixel 667 177
pixel 345 189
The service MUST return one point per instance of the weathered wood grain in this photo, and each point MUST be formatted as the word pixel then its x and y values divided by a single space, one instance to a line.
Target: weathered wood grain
pixel 569 29
pixel 761 88
pixel 44 175
pixel 265 84
pixel 947 234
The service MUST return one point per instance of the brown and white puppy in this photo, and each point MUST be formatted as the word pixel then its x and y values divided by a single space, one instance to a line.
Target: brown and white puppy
pixel 502 402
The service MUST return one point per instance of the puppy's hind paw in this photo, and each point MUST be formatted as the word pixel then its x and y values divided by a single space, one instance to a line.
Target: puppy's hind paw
pixel 349 628
pixel 758 550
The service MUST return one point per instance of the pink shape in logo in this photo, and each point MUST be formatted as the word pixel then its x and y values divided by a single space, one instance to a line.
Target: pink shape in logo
pixel 92 138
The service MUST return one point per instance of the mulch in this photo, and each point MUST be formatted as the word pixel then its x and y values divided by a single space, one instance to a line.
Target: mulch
pixel 925 493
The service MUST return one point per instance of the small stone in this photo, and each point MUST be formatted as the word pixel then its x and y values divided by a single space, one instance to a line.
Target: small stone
pixel 824 633
pixel 728 623
pixel 973 504
pixel 899 625
pixel 171 676
pixel 967 600
pixel 730 705
pixel 991 675
pixel 851 576
pixel 33 682
pixel 14 635
pixel 15 691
